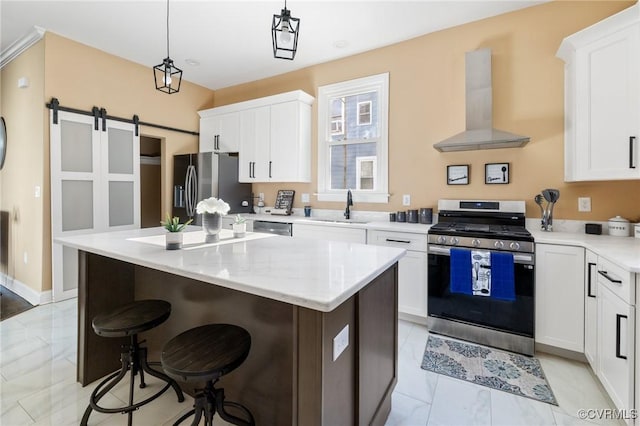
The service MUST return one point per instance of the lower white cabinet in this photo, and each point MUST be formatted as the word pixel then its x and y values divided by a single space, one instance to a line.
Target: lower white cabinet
pixel 616 331
pixel 412 269
pixel 328 232
pixel 591 309
pixel 559 296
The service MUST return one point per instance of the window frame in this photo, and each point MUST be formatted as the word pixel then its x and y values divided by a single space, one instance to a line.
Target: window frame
pixel 380 84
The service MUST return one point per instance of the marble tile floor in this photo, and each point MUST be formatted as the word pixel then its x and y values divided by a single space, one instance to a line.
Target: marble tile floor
pixel 38 387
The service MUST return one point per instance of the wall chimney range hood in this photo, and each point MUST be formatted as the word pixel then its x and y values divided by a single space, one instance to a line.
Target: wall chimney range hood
pixel 479 133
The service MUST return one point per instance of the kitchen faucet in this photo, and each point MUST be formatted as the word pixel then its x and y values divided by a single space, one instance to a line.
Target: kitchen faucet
pixel 347 212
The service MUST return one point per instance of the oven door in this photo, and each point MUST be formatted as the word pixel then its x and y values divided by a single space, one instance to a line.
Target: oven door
pixel 515 317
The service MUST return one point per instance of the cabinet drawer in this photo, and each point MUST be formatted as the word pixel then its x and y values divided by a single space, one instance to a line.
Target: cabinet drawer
pixel 405 240
pixel 619 281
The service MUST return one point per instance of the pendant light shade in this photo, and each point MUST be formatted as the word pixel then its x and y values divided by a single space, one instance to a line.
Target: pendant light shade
pixel 284 34
pixel 166 75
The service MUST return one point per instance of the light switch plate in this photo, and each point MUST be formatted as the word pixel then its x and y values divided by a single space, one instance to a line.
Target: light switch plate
pixel 406 200
pixel 305 198
pixel 340 342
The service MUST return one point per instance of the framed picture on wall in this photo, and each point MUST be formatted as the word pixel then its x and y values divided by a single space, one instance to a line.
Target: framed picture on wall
pixel 458 174
pixel 496 173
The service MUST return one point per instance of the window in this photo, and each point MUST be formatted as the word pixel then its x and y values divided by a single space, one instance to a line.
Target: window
pixel 364 113
pixel 353 140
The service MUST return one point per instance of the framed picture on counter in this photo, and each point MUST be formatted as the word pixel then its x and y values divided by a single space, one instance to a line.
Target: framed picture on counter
pixel 458 174
pixel 496 173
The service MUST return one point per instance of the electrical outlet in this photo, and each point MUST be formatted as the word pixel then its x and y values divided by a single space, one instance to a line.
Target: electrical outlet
pixel 305 198
pixel 340 342
pixel 584 204
pixel 406 200
pixel 37 192
pixel 24 257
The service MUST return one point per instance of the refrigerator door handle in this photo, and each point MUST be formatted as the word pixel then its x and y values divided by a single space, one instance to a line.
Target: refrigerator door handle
pixel 191 187
pixel 194 189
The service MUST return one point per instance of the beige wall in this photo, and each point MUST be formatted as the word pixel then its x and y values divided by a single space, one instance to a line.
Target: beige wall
pixel 427 105
pixel 23 169
pixel 80 77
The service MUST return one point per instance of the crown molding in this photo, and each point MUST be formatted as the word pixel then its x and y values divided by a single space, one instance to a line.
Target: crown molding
pixel 20 45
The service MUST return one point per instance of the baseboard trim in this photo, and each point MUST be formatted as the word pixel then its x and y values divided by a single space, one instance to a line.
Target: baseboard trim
pixel 21 289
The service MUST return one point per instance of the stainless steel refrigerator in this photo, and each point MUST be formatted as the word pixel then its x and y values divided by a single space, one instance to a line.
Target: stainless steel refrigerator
pixel 204 175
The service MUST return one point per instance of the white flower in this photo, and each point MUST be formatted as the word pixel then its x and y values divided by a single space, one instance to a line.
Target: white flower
pixel 213 205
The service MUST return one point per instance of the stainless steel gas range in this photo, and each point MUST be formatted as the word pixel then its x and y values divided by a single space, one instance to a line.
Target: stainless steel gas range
pixel 481 267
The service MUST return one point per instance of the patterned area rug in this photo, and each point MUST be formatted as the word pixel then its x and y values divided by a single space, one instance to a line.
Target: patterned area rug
pixel 518 374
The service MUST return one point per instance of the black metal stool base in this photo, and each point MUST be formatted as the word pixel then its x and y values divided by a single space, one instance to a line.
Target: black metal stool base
pixel 210 400
pixel 134 361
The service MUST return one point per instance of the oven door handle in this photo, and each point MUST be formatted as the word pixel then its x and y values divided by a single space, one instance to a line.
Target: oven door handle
pixel 517 258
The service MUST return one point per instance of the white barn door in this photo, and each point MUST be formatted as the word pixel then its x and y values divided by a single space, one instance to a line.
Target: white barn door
pixel 95 187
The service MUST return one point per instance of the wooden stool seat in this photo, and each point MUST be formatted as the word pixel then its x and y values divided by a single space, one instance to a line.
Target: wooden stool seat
pixel 204 354
pixel 132 318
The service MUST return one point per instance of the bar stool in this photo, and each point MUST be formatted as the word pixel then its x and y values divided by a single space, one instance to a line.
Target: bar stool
pixel 129 320
pixel 204 354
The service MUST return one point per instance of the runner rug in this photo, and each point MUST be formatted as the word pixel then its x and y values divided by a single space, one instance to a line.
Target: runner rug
pixel 518 374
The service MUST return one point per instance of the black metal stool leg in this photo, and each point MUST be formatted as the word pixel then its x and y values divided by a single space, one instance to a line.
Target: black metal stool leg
pixel 144 366
pixel 220 403
pixel 99 392
pixel 199 409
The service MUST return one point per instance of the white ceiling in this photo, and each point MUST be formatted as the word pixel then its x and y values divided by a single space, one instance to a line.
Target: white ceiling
pixel 231 39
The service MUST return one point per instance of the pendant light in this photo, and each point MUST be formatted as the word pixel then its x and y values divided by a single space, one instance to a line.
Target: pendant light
pixel 284 34
pixel 167 76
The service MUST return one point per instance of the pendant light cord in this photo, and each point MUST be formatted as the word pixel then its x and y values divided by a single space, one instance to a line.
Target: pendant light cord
pixel 168 28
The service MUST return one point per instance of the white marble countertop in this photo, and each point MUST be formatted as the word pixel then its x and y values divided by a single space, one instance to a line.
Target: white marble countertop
pixel 314 274
pixel 623 251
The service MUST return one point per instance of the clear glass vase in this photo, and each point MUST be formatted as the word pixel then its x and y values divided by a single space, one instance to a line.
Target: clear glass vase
pixel 211 225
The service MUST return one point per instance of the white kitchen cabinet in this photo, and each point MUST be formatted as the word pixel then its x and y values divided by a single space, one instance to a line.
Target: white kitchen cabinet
pixel 602 99
pixel 591 309
pixel 616 332
pixel 616 347
pixel 275 143
pixel 220 131
pixel 559 296
pixel 412 269
pixel 328 232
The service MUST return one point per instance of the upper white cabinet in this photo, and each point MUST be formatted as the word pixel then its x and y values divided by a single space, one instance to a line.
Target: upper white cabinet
pixel 272 136
pixel 275 143
pixel 602 99
pixel 559 296
pixel 220 132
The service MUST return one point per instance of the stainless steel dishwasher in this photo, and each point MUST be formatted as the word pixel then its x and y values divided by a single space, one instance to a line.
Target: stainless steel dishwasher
pixel 267 227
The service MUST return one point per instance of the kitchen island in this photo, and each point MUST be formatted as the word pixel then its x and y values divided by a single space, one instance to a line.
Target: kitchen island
pixel 294 296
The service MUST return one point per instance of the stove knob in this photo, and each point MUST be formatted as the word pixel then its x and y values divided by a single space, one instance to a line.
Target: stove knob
pixel 498 244
pixel 442 240
pixel 454 240
pixel 514 246
pixel 475 242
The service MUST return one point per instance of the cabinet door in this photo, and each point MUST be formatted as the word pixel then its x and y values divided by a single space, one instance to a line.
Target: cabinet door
pixel 616 347
pixel 590 309
pixel 254 145
pixel 559 296
pixel 608 107
pixel 226 132
pixel 412 284
pixel 207 134
pixel 290 151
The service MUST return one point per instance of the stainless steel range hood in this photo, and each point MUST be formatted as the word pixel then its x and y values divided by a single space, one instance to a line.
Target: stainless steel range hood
pixel 479 133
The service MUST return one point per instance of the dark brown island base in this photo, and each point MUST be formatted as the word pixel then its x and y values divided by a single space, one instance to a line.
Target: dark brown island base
pixel 290 375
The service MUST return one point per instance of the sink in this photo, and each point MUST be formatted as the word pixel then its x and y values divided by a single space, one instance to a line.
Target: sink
pixel 318 219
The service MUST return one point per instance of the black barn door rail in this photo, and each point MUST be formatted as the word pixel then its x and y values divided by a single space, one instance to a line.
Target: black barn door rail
pixel 100 115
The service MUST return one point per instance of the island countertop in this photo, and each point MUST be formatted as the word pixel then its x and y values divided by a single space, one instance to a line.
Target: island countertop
pixel 314 274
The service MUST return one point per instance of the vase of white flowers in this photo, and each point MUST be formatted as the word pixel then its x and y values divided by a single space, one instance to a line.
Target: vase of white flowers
pixel 212 209
pixel 239 226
